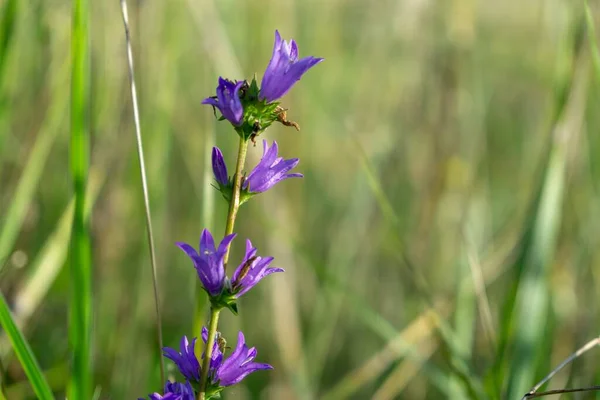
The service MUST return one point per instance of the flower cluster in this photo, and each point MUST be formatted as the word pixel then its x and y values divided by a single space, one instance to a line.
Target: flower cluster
pixel 222 372
pixel 271 170
pixel 250 109
pixel 210 266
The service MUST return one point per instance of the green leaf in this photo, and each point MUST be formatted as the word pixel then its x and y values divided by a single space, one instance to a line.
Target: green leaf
pixel 24 353
pixel 80 316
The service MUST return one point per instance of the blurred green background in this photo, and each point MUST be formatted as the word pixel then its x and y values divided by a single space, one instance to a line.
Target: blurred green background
pixel 444 242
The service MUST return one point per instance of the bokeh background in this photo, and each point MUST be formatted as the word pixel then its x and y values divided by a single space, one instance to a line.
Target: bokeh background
pixel 444 242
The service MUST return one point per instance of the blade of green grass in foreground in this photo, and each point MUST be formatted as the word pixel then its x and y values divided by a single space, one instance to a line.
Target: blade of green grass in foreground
pixel 530 316
pixel 24 353
pixel 80 262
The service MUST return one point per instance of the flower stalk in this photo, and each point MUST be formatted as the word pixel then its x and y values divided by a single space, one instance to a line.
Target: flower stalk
pixel 234 205
pixel 250 110
pixel 210 341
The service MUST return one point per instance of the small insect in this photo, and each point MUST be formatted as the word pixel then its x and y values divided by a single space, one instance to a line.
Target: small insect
pixel 222 343
pixel 256 128
pixel 244 89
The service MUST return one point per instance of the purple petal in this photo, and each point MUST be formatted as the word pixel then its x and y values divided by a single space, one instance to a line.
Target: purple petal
pixel 210 101
pixel 293 50
pixel 225 244
pixel 189 250
pixel 207 243
pixel 228 101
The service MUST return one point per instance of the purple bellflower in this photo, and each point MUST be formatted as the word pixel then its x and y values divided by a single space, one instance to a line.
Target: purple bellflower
pixel 239 365
pixel 221 372
pixel 219 167
pixel 175 391
pixel 209 261
pixel 252 269
pixel 269 171
pixel 185 359
pixel 284 69
pixel 228 101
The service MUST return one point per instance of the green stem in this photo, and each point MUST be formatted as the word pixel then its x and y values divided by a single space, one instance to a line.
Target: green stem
pixel 234 205
pixel 80 315
pixel 210 342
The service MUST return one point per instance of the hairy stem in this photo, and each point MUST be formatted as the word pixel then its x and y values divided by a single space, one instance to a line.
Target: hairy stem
pixel 234 205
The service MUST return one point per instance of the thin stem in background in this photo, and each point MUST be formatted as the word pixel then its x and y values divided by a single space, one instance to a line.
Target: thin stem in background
pixel 562 391
pixel 234 205
pixel 80 313
pixel 140 149
pixel 583 349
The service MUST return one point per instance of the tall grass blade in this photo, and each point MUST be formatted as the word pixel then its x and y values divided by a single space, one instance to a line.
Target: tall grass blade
pixel 531 303
pixel 24 353
pixel 140 149
pixel 81 260
pixel 595 53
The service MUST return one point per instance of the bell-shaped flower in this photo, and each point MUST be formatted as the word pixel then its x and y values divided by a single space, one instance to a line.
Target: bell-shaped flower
pixel 219 167
pixel 228 101
pixel 185 359
pixel 209 261
pixel 284 69
pixel 252 269
pixel 269 171
pixel 175 391
pixel 239 365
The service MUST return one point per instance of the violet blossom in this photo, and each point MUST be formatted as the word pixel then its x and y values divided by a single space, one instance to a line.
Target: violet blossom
pixel 228 101
pixel 185 359
pixel 270 170
pixel 209 261
pixel 175 391
pixel 284 69
pixel 252 269
pixel 239 365
pixel 219 167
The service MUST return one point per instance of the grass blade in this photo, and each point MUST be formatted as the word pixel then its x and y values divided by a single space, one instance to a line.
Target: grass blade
pixel 80 317
pixel 595 54
pixel 24 353
pixel 532 301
